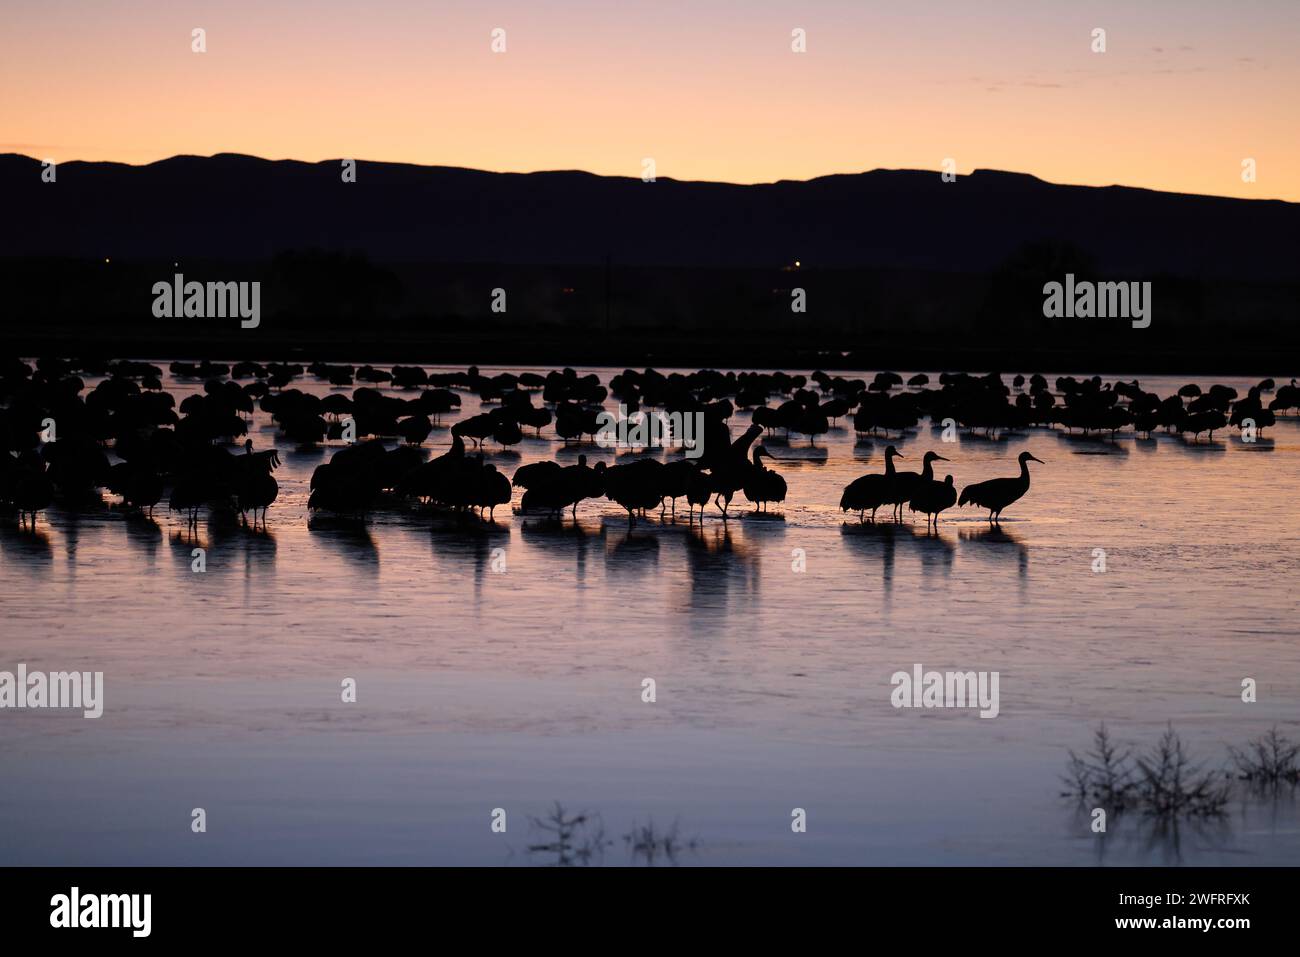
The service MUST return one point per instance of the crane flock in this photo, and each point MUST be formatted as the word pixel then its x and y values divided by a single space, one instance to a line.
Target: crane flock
pixel 58 434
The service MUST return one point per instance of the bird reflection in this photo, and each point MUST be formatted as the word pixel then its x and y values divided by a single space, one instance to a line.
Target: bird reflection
pixel 1259 445
pixel 464 542
pixel 1204 446
pixel 183 542
pixel 995 542
pixel 31 547
pixel 631 552
pixel 1092 444
pixel 879 543
pixel 483 551
pixel 763 527
pixel 717 559
pixel 143 533
pixel 257 548
pixel 186 537
pixel 350 539
pixel 558 537
pixel 71 531
pixel 936 550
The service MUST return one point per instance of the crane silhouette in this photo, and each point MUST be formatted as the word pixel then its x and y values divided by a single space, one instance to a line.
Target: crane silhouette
pixel 904 484
pixel 763 485
pixel 996 494
pixel 932 497
pixel 870 491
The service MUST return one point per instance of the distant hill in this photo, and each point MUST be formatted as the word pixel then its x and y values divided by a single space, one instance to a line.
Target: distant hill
pixel 240 207
pixel 896 265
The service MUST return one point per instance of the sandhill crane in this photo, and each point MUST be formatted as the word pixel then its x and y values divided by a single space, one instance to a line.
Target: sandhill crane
pixel 996 494
pixel 763 485
pixel 932 497
pixel 870 491
pixel 905 483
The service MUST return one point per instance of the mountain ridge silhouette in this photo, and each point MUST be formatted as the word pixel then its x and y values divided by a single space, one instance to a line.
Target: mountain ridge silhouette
pixel 233 206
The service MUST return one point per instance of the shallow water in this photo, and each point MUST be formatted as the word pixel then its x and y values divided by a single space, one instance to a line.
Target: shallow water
pixel 480 689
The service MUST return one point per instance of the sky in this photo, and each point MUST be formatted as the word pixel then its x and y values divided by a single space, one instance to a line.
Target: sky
pixel 709 89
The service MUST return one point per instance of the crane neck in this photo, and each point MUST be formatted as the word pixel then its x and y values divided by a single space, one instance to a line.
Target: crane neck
pixel 745 441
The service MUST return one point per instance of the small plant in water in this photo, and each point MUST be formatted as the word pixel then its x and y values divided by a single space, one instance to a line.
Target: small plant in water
pixel 1268 760
pixel 649 844
pixel 1104 774
pixel 1164 782
pixel 1171 785
pixel 577 839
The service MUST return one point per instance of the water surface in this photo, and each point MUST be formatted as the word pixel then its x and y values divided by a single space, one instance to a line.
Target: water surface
pixel 479 689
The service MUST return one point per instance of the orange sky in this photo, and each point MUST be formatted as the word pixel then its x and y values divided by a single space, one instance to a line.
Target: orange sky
pixel 710 89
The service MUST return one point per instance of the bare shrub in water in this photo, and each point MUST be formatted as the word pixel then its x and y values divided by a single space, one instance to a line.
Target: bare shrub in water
pixel 647 843
pixel 1268 760
pixel 1171 785
pixel 1163 782
pixel 576 839
pixel 1104 774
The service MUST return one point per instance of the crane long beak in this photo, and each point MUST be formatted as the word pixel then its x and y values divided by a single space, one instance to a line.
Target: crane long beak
pixel 941 458
pixel 1038 460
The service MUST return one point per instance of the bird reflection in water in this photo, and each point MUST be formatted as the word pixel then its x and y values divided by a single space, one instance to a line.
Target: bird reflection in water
pixel 879 544
pixel 144 534
pixel 484 551
pixel 29 546
pixel 995 542
pixel 1095 444
pixel 353 540
pixel 71 533
pixel 718 559
pixel 255 549
pixel 630 552
pixel 557 538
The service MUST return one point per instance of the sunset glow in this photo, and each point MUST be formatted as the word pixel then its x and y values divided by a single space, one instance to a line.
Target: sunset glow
pixel 1182 96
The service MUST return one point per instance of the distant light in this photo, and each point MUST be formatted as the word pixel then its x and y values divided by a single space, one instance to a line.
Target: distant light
pixel 106 259
pixel 797 264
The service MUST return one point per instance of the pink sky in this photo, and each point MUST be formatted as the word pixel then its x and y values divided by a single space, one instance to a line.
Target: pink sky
pixel 710 89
